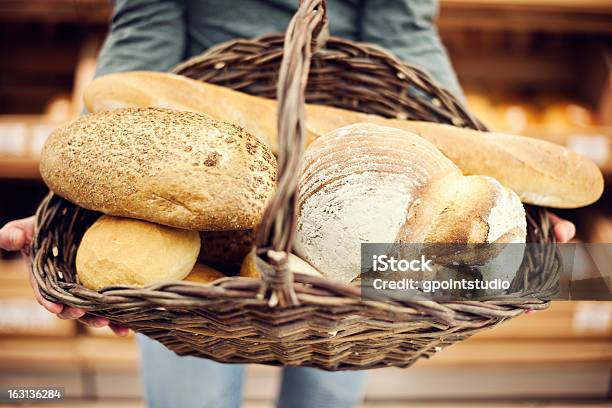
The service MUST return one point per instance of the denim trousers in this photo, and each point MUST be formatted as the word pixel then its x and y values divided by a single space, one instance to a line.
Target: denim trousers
pixel 171 381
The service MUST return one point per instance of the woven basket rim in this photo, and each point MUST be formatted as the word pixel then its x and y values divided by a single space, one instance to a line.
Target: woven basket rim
pixel 185 294
pixel 462 117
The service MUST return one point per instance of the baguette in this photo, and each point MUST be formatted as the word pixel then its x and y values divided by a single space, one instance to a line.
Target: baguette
pixel 540 172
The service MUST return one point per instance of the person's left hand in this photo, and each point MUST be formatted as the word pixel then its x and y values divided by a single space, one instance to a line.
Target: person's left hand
pixel 17 236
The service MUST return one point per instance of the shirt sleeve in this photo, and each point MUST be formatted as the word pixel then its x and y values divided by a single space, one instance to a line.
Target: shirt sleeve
pixel 144 34
pixel 406 28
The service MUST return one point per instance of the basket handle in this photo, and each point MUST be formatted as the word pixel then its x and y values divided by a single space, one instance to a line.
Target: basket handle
pixel 276 232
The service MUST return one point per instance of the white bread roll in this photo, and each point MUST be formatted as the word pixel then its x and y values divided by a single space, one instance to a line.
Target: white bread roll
pixel 366 183
pixel 175 168
pixel 123 251
pixel 540 172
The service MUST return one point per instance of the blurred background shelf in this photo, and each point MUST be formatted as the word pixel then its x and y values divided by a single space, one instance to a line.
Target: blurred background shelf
pixel 592 16
pixel 55 11
pixel 19 168
pixel 563 16
pixel 558 354
pixel 541 68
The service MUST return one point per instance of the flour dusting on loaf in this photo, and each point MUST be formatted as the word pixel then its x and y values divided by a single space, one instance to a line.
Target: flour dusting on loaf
pixel 358 185
pixel 366 183
pixel 506 220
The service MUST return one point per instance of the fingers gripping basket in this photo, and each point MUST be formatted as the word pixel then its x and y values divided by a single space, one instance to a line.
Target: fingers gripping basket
pixel 290 319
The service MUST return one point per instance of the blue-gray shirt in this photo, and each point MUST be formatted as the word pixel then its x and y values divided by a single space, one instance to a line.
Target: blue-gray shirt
pixel 158 34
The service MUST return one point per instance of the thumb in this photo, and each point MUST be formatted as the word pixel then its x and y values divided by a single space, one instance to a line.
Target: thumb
pixel 12 238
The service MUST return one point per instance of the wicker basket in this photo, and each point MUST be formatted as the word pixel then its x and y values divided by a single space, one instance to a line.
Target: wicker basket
pixel 292 319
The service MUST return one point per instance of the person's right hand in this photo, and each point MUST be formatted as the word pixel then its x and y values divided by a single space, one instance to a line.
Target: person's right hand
pixel 17 236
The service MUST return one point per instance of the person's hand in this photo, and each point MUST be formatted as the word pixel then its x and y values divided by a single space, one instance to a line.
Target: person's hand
pixel 17 236
pixel 564 229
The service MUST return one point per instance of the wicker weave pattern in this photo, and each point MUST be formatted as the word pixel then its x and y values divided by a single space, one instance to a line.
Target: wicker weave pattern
pixel 357 76
pixel 332 328
pixel 226 321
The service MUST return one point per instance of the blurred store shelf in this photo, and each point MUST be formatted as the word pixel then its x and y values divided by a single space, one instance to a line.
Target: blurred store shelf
pixel 19 168
pixel 586 16
pixel 55 11
pixel 578 16
pixel 21 314
pixel 21 141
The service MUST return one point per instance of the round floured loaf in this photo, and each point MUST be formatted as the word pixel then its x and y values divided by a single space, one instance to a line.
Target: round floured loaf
pixel 366 183
pixel 123 251
pixel 175 168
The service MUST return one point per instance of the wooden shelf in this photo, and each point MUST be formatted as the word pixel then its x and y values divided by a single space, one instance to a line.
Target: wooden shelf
pixel 563 320
pixel 588 16
pixel 56 11
pixel 565 16
pixel 19 168
pixel 29 354
pixel 21 139
pixel 573 5
pixel 474 352
pixel 119 354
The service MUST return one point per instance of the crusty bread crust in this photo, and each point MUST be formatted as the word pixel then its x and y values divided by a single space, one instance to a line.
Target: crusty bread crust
pixel 175 168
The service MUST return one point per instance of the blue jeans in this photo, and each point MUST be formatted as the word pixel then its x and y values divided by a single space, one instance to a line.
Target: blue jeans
pixel 171 381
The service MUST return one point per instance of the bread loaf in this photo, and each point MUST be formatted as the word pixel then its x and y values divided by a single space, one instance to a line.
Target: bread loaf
pixel 122 251
pixel 175 168
pixel 203 274
pixel 366 183
pixel 540 172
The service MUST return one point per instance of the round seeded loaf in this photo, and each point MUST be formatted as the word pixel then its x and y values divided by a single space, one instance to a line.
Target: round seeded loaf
pixel 366 183
pixel 175 168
